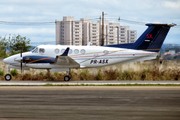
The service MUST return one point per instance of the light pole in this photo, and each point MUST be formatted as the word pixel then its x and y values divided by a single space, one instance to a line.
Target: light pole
pixel 102 43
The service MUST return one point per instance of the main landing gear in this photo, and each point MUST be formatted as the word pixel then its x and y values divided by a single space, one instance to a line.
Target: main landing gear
pixel 67 77
pixel 8 76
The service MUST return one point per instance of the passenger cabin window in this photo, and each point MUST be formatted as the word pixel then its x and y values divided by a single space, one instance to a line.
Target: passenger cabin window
pixel 35 50
pixel 41 50
pixel 76 51
pixel 70 51
pixel 62 51
pixel 83 51
pixel 56 50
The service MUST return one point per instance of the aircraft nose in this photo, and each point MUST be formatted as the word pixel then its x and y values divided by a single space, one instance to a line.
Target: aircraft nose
pixel 6 60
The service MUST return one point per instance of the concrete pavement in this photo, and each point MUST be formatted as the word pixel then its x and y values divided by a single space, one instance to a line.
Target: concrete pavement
pixel 110 82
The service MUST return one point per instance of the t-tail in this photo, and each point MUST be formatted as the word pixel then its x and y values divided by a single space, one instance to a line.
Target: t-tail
pixel 151 40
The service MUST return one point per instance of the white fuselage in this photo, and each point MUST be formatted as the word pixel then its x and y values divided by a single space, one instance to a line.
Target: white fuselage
pixel 86 56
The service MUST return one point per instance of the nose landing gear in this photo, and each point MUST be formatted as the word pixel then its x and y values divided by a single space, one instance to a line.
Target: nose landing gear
pixel 8 76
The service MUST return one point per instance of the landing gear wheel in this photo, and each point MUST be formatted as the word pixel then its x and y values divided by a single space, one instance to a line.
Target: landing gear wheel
pixel 67 78
pixel 7 77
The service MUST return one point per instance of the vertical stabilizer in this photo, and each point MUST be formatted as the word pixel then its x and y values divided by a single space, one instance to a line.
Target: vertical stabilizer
pixel 151 40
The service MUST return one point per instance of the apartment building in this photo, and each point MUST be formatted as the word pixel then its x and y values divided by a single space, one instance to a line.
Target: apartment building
pixel 74 32
pixel 68 31
pixel 90 32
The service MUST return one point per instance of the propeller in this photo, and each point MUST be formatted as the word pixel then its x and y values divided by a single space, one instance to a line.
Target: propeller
pixel 21 61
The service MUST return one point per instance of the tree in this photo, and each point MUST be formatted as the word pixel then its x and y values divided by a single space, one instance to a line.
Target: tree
pixel 3 47
pixel 18 43
pixel 15 44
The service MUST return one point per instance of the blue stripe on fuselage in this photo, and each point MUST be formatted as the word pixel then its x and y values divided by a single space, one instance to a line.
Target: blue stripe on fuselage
pixel 38 59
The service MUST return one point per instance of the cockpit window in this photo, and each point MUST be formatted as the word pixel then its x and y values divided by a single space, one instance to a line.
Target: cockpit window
pixel 35 50
pixel 41 50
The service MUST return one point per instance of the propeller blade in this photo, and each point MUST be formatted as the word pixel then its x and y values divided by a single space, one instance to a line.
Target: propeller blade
pixel 21 61
pixel 21 67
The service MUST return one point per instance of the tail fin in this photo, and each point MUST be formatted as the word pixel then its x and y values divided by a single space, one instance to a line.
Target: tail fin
pixel 151 40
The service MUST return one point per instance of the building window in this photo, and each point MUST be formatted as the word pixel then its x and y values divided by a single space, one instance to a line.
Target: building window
pixel 76 38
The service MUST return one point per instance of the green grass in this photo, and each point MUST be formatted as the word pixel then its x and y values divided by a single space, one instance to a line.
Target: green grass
pixel 1 73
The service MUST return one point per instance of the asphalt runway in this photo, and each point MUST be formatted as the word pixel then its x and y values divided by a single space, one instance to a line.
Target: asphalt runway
pixel 89 103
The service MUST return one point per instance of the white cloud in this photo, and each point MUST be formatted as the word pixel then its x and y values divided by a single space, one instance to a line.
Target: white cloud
pixel 172 4
pixel 166 11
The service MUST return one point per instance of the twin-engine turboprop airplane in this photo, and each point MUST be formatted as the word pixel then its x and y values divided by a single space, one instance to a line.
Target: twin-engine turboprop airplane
pixel 66 57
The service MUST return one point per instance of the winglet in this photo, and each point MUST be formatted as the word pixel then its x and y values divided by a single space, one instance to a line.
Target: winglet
pixel 66 52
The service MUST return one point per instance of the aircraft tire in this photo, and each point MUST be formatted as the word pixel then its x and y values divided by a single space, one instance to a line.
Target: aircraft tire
pixel 8 77
pixel 67 78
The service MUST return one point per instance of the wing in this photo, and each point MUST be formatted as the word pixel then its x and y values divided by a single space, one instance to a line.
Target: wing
pixel 65 61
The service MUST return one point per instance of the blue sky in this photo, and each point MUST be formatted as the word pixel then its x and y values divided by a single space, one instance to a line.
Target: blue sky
pixel 162 11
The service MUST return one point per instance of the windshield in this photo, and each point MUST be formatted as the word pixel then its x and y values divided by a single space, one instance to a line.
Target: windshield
pixel 35 50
